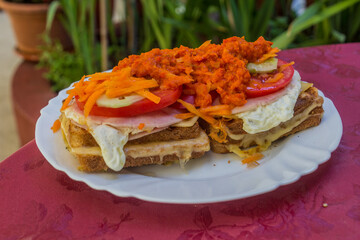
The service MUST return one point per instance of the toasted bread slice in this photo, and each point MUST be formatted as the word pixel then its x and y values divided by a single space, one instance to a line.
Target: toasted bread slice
pixel 308 112
pixel 169 145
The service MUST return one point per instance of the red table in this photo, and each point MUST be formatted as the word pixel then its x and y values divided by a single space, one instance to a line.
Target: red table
pixel 39 202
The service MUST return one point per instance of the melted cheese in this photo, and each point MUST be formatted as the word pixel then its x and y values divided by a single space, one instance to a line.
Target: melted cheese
pixel 268 116
pixel 94 151
pixel 111 142
pixel 264 139
pixel 305 86
pixel 183 149
pixel 186 123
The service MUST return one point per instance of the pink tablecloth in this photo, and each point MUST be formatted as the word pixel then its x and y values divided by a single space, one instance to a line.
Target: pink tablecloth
pixel 39 202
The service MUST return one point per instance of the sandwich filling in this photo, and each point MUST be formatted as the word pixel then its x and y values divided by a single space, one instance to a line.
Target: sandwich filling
pixel 157 93
pixel 265 117
pixel 112 134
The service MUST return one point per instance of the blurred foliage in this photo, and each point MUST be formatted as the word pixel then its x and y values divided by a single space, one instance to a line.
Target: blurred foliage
pixel 79 20
pixel 29 1
pixel 63 68
pixel 170 23
pixel 323 22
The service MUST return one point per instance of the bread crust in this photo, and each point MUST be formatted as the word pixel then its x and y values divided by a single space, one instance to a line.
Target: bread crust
pixel 78 137
pixel 235 126
pixel 94 163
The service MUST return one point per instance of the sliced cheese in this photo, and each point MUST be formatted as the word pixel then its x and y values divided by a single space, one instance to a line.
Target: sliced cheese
pixel 183 149
pixel 186 123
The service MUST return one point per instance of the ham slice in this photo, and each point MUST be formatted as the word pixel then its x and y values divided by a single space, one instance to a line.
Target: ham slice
pixel 253 103
pixel 157 119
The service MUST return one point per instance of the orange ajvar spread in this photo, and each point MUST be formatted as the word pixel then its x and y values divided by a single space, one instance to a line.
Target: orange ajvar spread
pixel 219 67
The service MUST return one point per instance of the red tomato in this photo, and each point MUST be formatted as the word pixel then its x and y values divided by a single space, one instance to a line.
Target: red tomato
pixel 259 87
pixel 168 97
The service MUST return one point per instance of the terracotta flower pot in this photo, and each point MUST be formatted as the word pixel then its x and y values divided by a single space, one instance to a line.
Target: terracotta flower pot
pixel 28 21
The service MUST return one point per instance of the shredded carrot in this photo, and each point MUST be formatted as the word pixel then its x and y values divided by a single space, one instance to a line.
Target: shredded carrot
pixel 149 95
pixel 56 126
pixel 275 78
pixel 282 67
pixel 205 43
pixel 217 110
pixel 141 126
pixel 124 73
pixel 253 164
pixel 91 101
pixel 191 108
pixel 113 84
pixel 67 101
pixel 185 115
pixel 270 54
pixel 210 67
pixel 218 132
pixel 279 75
pixel 252 158
pixel 138 85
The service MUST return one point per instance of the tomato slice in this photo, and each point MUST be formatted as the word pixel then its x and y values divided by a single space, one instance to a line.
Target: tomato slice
pixel 259 87
pixel 168 97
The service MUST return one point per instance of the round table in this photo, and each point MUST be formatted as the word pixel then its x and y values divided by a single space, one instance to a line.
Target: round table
pixel 30 93
pixel 39 202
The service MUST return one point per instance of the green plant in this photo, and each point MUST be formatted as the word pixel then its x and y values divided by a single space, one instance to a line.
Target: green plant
pixel 30 1
pixel 63 67
pixel 78 18
pixel 323 22
pixel 79 21
pixel 247 17
pixel 319 17
pixel 171 23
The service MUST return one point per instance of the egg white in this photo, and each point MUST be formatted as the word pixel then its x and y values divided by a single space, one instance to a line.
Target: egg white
pixel 268 116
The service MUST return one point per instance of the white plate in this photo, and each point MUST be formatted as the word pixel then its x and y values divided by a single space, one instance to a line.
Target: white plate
pixel 213 178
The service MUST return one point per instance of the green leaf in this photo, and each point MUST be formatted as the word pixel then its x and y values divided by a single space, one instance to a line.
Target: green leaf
pixel 354 25
pixel 263 17
pixel 236 15
pixel 287 37
pixel 149 7
pixel 340 37
pixel 224 14
pixel 312 10
pixel 245 16
pixel 312 42
pixel 51 14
